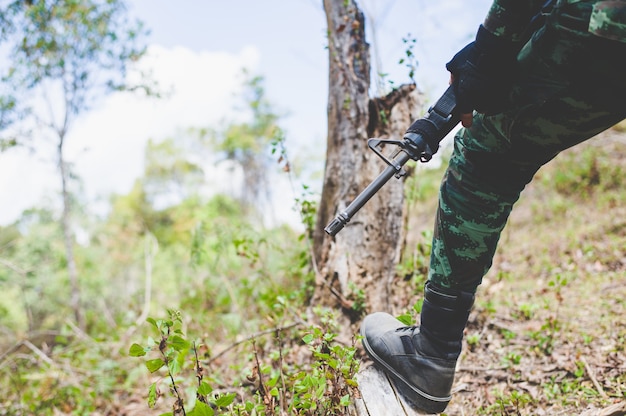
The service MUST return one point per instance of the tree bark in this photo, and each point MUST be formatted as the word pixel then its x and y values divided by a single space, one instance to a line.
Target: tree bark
pixel 357 266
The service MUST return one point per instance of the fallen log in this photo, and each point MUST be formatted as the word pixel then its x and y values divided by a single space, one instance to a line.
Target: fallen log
pixel 379 396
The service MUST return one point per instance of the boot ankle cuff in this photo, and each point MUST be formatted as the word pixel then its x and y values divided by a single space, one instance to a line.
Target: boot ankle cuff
pixel 448 298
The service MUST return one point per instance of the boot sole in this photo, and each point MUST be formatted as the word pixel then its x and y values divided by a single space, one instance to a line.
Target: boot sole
pixel 411 393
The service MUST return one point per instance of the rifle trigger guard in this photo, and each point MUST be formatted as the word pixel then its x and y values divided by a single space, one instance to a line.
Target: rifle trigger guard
pixel 373 143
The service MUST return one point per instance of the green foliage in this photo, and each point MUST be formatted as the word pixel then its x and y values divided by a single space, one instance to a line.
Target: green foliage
pixel 408 318
pixel 512 403
pixel 326 388
pixel 249 143
pixel 70 373
pixel 177 357
pixel 473 340
pixel 85 47
pixel 526 310
pixel 323 388
pixel 67 54
pixel 33 271
pixel 208 254
pixel 169 172
pixel 307 204
pixel 409 60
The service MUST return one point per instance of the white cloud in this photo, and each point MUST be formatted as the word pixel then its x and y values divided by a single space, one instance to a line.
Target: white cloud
pixel 107 144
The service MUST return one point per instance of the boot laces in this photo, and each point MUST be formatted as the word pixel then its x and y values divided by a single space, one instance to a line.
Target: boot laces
pixel 407 328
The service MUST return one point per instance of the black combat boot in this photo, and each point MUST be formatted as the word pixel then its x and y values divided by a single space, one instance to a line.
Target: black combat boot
pixel 421 360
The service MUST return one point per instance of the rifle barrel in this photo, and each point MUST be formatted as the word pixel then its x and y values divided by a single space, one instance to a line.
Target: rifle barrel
pixel 344 217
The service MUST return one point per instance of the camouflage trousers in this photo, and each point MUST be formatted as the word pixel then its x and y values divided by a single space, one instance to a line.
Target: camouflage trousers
pixel 570 87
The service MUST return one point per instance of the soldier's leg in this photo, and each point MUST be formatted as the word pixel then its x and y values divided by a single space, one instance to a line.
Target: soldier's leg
pixel 571 88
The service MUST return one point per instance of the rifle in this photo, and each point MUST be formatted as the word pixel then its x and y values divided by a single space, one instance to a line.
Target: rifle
pixel 420 142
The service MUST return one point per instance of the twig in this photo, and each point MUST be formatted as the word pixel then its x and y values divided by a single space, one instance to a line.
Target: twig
pixel 38 352
pixel 481 369
pixel 593 378
pixel 251 338
pixel 26 343
pixel 179 404
pixel 79 332
pixel 282 374
pixel 151 246
pixel 267 399
pixel 10 351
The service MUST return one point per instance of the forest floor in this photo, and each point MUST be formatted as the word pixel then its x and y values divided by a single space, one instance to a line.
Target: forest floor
pixel 547 335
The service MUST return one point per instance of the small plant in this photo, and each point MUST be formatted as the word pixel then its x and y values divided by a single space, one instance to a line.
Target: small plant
pixel 172 352
pixel 558 283
pixel 409 60
pixel 383 117
pixel 323 386
pixel 473 340
pixel 512 359
pixel 408 318
pixel 527 310
pixel 587 339
pixel 307 206
pixel 327 387
pixel 513 403
pixel 507 334
pixel 357 295
pixel 547 336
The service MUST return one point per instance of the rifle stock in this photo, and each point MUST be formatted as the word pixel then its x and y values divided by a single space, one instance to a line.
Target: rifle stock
pixel 420 142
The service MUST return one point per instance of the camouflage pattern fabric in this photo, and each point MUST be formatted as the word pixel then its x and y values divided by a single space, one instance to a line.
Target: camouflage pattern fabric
pixel 608 20
pixel 570 87
pixel 512 18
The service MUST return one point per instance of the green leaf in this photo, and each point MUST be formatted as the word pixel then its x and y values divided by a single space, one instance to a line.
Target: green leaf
pixel 201 409
pixel 351 382
pixel 308 338
pixel 225 400
pixel 272 381
pixel 154 365
pixel 175 366
pixel 204 388
pixel 152 395
pixel 405 318
pixel 136 350
pixel 153 322
pixel 178 343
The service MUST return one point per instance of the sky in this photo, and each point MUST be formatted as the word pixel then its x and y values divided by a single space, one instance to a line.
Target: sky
pixel 197 49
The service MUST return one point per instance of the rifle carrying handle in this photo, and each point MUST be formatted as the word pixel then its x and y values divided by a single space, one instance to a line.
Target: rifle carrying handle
pixel 420 142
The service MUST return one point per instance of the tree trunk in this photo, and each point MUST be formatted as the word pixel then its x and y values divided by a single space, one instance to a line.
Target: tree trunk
pixel 69 239
pixel 357 266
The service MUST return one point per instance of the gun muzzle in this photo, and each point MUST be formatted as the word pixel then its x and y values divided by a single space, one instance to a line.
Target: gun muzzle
pixel 337 224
